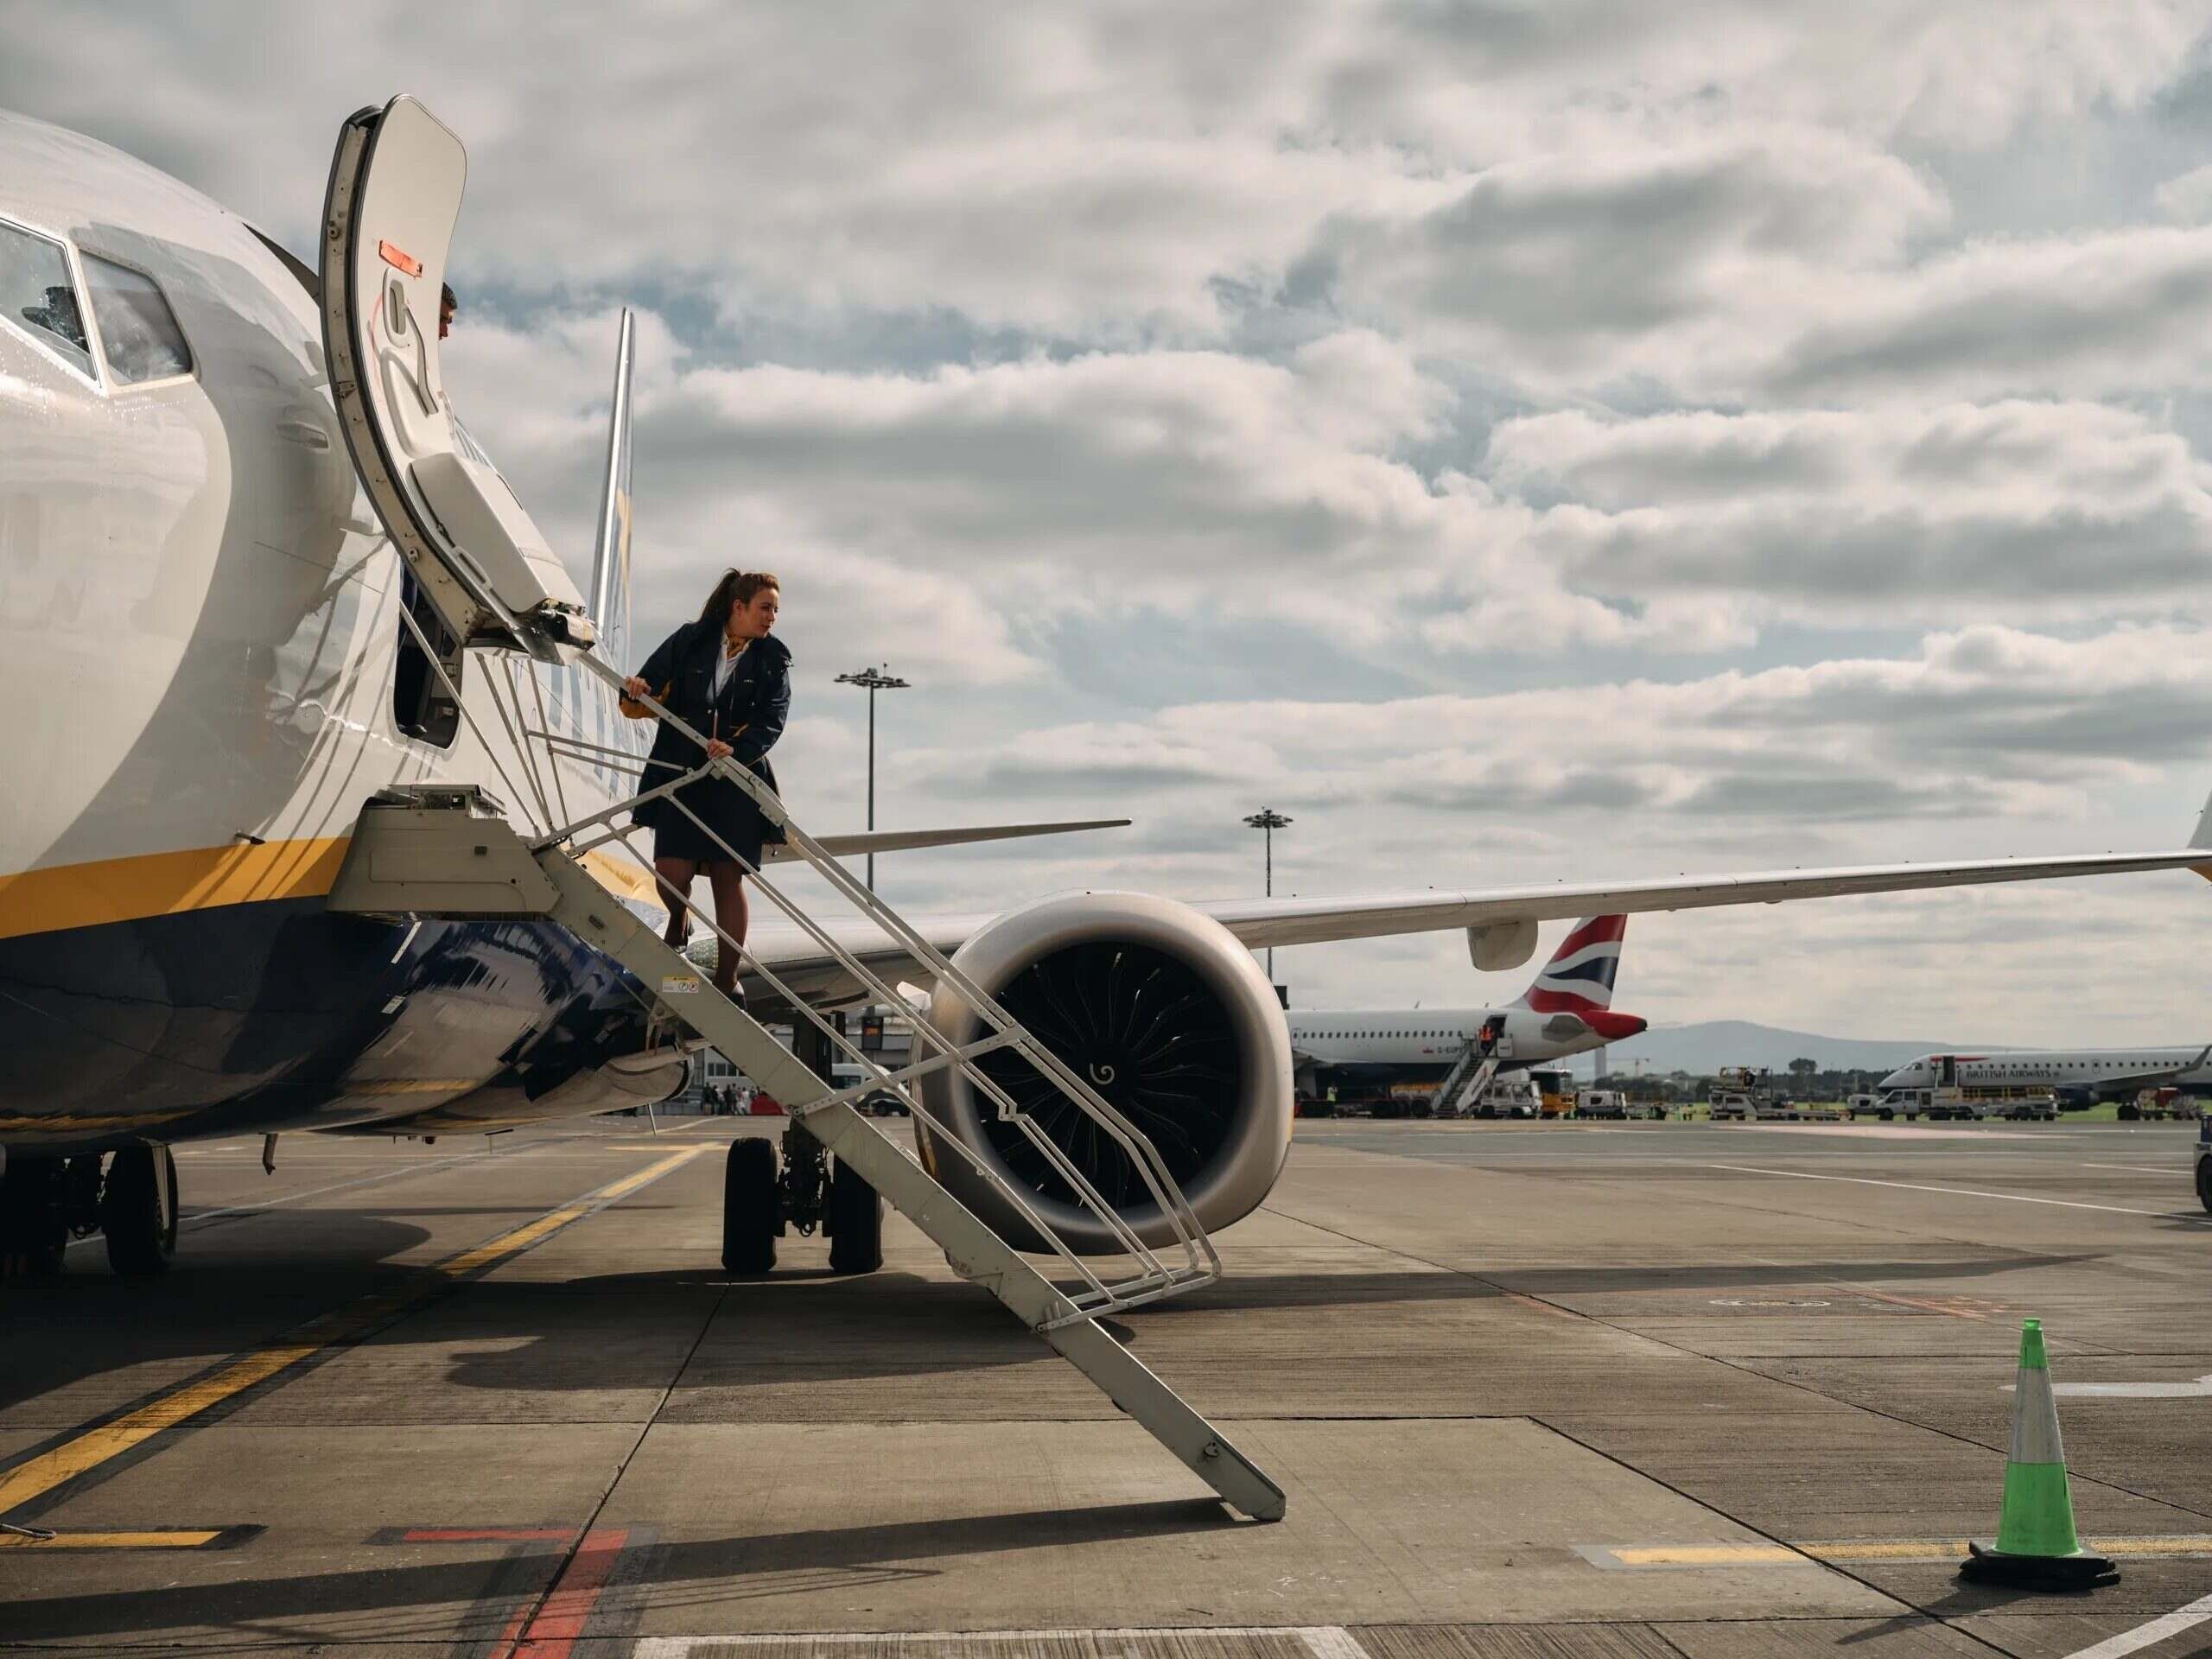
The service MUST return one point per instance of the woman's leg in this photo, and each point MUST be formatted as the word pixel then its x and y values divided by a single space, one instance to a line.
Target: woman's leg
pixel 676 875
pixel 732 911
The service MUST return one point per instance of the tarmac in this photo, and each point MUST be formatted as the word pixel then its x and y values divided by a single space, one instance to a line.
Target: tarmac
pixel 1699 1391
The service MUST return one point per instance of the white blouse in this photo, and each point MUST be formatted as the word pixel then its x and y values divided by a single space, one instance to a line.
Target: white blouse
pixel 725 665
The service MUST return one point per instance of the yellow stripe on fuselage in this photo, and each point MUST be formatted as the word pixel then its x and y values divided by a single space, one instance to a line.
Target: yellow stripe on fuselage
pixel 170 884
pixel 166 884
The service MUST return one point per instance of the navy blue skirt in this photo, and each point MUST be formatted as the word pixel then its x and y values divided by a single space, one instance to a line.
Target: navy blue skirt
pixel 728 809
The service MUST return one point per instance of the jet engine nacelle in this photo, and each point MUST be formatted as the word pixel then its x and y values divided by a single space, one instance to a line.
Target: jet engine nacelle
pixel 1166 1016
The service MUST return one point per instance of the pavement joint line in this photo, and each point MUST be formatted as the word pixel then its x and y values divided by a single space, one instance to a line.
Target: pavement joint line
pixel 39 1475
pixel 2148 1635
pixel 521 1641
pixel 1968 1192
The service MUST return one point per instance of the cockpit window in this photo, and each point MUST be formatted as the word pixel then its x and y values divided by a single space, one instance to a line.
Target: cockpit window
pixel 138 332
pixel 37 293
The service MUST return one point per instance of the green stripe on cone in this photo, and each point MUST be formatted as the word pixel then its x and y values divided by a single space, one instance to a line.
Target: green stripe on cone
pixel 2037 1546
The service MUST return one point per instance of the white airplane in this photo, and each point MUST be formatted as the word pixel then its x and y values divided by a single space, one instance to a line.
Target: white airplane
pixel 1566 1010
pixel 229 615
pixel 2077 1075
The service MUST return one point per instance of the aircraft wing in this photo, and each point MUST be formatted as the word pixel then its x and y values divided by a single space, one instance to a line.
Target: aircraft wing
pixel 1261 922
pixel 900 841
pixel 1315 921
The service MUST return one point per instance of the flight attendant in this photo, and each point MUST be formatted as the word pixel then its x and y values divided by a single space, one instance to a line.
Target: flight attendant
pixel 727 677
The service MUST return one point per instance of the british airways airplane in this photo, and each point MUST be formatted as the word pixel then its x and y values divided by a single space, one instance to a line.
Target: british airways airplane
pixel 1567 1010
pixel 248 556
pixel 2076 1075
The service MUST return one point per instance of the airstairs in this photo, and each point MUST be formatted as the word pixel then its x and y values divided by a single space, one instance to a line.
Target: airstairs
pixel 452 853
pixel 1464 1084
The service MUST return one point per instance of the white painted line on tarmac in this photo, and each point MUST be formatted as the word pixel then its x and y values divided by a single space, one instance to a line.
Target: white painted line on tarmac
pixel 2201 1387
pixel 2138 1169
pixel 1970 1192
pixel 2148 1635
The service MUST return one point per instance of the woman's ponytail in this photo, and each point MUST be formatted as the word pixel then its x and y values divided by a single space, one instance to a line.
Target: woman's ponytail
pixel 736 587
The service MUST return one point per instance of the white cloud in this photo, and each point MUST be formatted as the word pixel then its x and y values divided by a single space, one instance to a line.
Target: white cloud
pixel 1888 516
pixel 2186 199
pixel 2082 316
pixel 1596 267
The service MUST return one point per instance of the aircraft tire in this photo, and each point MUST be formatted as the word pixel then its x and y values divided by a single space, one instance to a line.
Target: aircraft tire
pixel 2204 1183
pixel 138 1210
pixel 854 1222
pixel 751 1207
pixel 34 1234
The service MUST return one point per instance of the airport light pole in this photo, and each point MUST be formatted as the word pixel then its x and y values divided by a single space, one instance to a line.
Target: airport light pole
pixel 876 679
pixel 1268 820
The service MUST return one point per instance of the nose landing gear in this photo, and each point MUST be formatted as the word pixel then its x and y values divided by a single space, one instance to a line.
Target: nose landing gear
pixel 45 1202
pixel 812 1191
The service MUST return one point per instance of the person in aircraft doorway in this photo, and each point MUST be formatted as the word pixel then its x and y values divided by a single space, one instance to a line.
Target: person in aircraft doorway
pixel 448 308
pixel 728 676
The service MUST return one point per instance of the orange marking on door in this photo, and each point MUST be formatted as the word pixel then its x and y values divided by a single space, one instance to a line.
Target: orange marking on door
pixel 400 258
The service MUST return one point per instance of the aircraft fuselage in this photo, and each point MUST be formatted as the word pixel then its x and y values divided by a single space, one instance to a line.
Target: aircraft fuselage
pixel 198 638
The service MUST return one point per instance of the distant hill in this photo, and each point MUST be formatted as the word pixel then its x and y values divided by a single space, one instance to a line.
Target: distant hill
pixel 1705 1048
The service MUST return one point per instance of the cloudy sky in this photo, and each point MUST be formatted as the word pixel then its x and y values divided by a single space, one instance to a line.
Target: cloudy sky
pixel 1524 439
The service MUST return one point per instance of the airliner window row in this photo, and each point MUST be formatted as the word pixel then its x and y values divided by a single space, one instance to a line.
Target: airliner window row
pixel 137 332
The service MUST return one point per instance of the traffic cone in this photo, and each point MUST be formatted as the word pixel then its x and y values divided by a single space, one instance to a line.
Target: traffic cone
pixel 2035 1547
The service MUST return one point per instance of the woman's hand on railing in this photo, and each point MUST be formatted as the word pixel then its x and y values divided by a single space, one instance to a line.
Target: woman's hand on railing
pixel 716 748
pixel 635 687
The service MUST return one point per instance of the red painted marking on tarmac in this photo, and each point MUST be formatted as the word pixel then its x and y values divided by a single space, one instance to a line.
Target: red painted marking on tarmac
pixel 560 1622
pixel 487 1534
pixel 1557 1312
pixel 1919 1302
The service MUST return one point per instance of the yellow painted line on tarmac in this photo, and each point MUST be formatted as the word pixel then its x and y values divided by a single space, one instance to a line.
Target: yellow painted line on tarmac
pixel 1853 1551
pixel 41 1474
pixel 194 1538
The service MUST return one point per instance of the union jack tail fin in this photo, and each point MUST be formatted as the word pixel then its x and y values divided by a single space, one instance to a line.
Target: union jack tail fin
pixel 1579 979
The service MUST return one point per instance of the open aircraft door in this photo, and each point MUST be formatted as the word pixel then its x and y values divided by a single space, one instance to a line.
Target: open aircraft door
pixel 387 220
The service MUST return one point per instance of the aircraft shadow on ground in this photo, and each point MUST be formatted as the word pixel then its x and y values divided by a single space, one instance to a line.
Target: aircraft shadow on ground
pixel 1474 1283
pixel 809 1562
pixel 634 1330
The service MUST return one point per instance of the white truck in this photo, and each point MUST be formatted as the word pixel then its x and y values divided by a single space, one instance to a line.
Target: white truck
pixel 1741 1094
